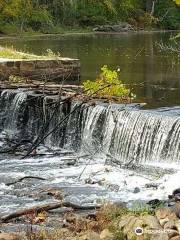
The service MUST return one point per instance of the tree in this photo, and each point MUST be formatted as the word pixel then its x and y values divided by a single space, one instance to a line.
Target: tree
pixel 150 6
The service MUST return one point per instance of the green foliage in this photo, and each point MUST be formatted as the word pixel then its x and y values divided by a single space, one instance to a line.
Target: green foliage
pixel 51 54
pixel 43 15
pixel 117 233
pixel 107 84
pixel 147 20
pixel 12 53
pixel 168 14
pixel 16 79
pixel 140 209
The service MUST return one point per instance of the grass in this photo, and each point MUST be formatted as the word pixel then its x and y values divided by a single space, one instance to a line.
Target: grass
pixel 11 53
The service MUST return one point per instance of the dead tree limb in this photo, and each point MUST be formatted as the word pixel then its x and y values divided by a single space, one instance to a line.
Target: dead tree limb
pixel 40 140
pixel 23 178
pixel 45 207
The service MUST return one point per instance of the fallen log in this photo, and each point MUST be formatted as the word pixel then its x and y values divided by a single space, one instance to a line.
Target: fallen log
pixel 27 177
pixel 45 207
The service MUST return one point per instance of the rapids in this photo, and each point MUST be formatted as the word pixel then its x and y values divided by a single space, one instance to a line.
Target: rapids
pixel 78 156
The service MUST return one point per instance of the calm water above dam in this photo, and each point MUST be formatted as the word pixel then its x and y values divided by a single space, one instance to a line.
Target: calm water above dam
pixel 154 75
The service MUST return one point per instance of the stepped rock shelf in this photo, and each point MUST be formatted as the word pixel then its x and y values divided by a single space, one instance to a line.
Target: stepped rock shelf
pixel 41 69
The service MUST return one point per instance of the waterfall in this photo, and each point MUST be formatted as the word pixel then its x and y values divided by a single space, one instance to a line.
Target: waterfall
pixel 12 110
pixel 125 132
pixel 134 135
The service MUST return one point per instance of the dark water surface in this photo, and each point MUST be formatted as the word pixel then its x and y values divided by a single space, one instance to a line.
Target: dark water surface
pixel 154 75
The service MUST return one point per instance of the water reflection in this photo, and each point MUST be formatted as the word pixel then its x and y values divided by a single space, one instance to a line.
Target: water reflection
pixel 154 75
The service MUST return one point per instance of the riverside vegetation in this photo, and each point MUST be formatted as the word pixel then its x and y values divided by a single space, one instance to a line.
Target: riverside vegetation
pixel 110 222
pixel 57 16
pixel 12 53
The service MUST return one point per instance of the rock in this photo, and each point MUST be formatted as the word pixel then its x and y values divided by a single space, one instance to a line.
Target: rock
pixel 151 222
pixel 152 228
pixel 8 236
pixel 175 238
pixel 177 224
pixel 172 233
pixel 176 191
pixel 136 190
pixel 89 236
pixel 159 236
pixel 176 209
pixel 155 203
pixel 164 215
pixel 130 228
pixel 175 195
pixel 171 229
pixel 106 235
pixel 152 185
pixel 124 221
pixel 163 221
pixel 146 223
pixel 121 27
pixel 170 225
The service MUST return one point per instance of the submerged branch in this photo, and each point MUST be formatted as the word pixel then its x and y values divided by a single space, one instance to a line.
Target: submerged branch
pixel 23 178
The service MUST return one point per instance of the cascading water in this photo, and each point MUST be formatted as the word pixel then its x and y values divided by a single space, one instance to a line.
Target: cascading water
pixel 128 134
pixel 134 135
pixel 12 110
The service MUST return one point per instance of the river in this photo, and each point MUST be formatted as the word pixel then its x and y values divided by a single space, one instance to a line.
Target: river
pixel 153 74
pixel 148 137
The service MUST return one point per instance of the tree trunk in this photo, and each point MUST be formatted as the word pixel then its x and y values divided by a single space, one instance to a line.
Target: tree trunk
pixel 150 6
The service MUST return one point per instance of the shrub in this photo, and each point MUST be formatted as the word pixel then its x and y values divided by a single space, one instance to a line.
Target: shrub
pixel 168 14
pixel 147 20
pixel 107 85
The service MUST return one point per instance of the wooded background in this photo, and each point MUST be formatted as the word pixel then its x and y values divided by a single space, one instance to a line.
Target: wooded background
pixel 49 15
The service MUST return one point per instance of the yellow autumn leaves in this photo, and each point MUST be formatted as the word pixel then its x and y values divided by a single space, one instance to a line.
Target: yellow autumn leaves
pixel 177 2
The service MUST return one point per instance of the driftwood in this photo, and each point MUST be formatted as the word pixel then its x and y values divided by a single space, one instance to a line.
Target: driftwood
pixel 45 207
pixel 27 177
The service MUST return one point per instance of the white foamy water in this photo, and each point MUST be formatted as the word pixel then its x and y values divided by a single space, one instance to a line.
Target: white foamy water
pixel 83 183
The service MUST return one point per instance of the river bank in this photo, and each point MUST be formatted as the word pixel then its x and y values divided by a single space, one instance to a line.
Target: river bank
pixel 58 31
pixel 110 222
pixel 81 31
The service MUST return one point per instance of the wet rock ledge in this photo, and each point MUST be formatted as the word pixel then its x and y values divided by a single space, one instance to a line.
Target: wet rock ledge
pixel 41 69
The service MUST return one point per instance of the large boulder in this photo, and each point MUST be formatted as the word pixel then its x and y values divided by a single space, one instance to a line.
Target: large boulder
pixel 165 215
pixel 88 236
pixel 106 235
pixel 175 238
pixel 8 236
pixel 146 226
